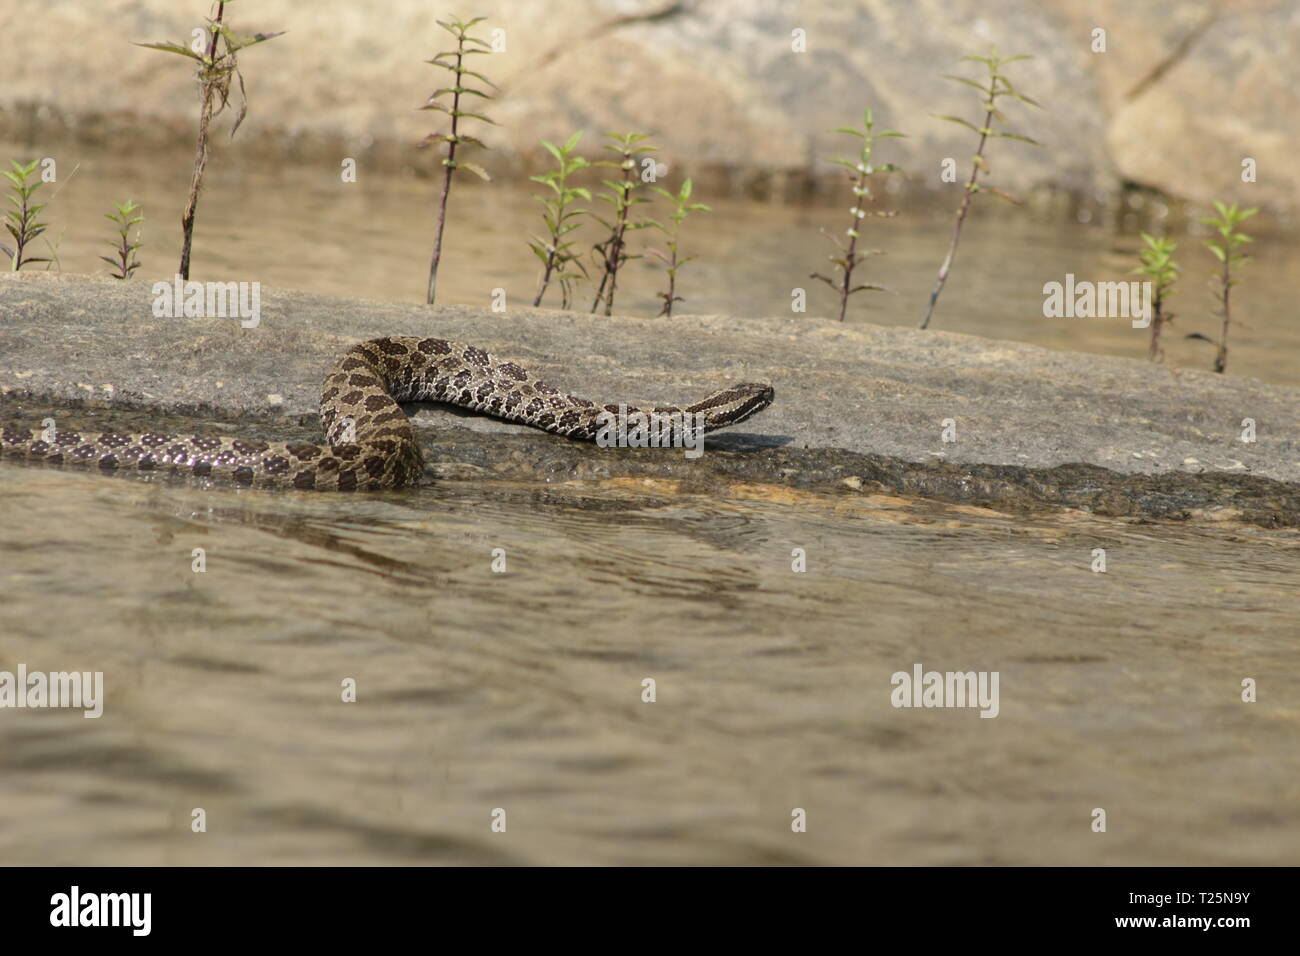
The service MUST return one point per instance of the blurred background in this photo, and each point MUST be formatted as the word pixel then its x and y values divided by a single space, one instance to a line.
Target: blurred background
pixel 1143 124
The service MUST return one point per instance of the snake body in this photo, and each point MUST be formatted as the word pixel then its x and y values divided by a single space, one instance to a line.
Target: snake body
pixel 370 441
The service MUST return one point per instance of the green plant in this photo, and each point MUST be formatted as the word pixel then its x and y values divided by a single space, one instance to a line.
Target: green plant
pixel 611 253
pixel 454 61
pixel 218 65
pixel 998 86
pixel 1225 250
pixel 554 251
pixel 126 261
pixel 682 207
pixel 1161 270
pixel 860 171
pixel 21 222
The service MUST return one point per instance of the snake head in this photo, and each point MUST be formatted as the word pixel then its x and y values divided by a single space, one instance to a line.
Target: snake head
pixel 734 404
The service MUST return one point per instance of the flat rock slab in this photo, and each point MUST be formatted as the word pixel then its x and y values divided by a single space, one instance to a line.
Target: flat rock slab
pixel 847 389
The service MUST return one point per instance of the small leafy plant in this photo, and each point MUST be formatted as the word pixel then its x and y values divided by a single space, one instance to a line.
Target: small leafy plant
pixel 1161 270
pixel 682 207
pixel 218 62
pixel 21 222
pixel 127 260
pixel 611 253
pixel 1225 249
pixel 454 61
pixel 554 250
pixel 860 171
pixel 998 86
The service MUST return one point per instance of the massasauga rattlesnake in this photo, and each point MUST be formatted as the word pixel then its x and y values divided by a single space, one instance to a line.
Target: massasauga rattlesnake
pixel 371 442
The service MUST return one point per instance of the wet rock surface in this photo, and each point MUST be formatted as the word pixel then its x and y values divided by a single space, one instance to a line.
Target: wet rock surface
pixel 858 409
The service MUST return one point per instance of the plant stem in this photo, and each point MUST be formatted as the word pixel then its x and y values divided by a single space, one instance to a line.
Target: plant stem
pixel 21 236
pixel 850 254
pixel 1221 358
pixel 961 217
pixel 615 251
pixel 550 260
pixel 449 164
pixel 671 296
pixel 1157 323
pixel 546 279
pixel 201 151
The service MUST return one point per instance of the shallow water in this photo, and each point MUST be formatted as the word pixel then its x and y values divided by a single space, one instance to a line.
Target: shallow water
pixel 522 690
pixel 301 227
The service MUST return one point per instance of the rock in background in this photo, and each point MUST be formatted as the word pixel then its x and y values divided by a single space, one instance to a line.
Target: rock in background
pixel 1184 91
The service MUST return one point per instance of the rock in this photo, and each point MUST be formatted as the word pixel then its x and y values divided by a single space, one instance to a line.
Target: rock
pixel 1182 94
pixel 1192 89
pixel 1035 425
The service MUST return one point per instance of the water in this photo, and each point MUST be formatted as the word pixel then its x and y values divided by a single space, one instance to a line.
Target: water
pixel 522 690
pixel 301 227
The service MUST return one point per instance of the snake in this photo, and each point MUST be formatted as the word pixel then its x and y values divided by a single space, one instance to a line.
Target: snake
pixel 370 441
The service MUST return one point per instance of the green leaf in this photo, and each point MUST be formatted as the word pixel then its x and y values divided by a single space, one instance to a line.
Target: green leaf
pixel 960 122
pixel 1001 195
pixel 463 71
pixel 1018 138
pixel 961 79
pixel 243 43
pixel 573 141
pixel 477 116
pixel 176 48
pixel 477 170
